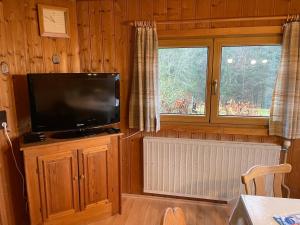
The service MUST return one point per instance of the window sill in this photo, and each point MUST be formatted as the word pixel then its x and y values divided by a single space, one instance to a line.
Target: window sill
pixel 205 127
pixel 235 120
pixel 177 118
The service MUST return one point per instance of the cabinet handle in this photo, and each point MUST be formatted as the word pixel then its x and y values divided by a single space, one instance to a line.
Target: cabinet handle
pixel 75 178
pixel 82 176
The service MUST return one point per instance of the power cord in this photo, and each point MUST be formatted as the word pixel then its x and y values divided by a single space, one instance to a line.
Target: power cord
pixel 4 125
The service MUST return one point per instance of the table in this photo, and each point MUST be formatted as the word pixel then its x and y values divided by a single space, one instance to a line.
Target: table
pixel 259 210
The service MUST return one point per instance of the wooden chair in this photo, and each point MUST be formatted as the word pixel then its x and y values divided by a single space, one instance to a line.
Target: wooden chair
pixel 173 217
pixel 258 174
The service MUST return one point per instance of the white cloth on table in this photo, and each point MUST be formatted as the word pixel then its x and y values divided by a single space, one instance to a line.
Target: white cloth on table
pixel 259 210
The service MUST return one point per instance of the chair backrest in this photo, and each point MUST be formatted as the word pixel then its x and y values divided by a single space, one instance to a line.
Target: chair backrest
pixel 258 175
pixel 173 217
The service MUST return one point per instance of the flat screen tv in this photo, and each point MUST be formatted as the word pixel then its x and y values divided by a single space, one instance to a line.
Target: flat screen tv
pixel 74 101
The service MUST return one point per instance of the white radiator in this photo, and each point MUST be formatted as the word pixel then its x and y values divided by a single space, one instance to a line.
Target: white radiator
pixel 200 168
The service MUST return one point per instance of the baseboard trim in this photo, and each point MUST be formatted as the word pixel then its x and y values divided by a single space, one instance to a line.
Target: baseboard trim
pixel 177 198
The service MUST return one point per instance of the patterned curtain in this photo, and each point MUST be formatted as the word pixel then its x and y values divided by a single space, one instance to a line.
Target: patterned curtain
pixel 144 100
pixel 285 110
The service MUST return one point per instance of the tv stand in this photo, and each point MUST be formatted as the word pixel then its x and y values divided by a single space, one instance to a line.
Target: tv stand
pixel 73 181
pixel 83 133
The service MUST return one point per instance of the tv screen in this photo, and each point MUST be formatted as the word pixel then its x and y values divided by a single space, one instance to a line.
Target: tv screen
pixel 73 101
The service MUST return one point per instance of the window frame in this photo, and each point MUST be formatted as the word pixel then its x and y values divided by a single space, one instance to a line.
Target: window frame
pixel 192 43
pixel 215 118
pixel 214 45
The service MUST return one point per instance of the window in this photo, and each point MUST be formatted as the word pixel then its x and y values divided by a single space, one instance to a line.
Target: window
pixel 246 70
pixel 183 80
pixel 221 80
pixel 183 69
pixel 248 76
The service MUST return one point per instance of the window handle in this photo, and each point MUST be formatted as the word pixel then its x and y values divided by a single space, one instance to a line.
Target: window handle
pixel 215 86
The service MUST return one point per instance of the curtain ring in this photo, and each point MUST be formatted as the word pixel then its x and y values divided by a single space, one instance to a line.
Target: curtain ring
pixel 144 23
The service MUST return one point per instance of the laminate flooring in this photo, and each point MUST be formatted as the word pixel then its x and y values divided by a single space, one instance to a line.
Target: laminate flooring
pixel 148 210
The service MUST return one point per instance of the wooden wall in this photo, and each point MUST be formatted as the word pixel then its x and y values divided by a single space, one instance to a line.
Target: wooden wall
pixel 25 51
pixel 105 42
pixel 101 40
pixel 32 53
pixel 10 183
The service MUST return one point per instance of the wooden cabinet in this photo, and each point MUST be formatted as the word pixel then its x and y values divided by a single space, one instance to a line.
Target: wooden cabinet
pixel 58 177
pixel 94 182
pixel 73 181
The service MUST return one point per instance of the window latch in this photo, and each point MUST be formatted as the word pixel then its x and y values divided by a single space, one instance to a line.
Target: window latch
pixel 215 86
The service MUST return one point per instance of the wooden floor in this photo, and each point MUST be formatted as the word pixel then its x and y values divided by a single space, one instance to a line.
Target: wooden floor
pixel 147 210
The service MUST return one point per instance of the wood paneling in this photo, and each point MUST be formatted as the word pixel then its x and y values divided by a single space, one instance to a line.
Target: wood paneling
pixel 116 27
pixel 108 33
pixel 101 41
pixel 25 52
pixel 293 177
pixel 105 37
pixel 35 52
pixel 10 181
pixel 84 37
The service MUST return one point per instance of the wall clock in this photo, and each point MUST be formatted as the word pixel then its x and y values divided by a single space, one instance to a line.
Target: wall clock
pixel 54 21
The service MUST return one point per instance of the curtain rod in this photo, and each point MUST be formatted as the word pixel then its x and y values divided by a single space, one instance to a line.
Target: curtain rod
pixel 216 20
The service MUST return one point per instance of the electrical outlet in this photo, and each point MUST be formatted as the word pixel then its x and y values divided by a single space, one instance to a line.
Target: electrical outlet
pixel 3 118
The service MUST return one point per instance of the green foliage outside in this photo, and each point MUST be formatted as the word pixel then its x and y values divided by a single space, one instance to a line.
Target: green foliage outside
pixel 247 82
pixel 183 80
pixel 248 76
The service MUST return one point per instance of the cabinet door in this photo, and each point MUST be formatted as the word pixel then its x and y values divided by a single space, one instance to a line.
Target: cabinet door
pixel 58 175
pixel 93 169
